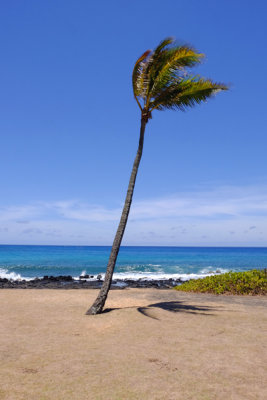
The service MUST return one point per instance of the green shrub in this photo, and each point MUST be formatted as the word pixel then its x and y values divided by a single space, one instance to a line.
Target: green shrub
pixel 252 282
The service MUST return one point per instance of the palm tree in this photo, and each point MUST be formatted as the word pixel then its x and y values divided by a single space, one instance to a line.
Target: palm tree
pixel 160 81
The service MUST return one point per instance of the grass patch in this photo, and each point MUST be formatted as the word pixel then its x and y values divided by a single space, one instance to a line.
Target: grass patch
pixel 252 282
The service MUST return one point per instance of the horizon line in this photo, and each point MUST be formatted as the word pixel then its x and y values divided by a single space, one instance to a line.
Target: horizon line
pixel 102 245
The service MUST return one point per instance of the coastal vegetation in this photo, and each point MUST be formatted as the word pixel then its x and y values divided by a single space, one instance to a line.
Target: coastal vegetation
pixel 160 81
pixel 252 282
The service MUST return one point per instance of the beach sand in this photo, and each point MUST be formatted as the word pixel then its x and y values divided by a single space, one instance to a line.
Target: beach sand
pixel 152 344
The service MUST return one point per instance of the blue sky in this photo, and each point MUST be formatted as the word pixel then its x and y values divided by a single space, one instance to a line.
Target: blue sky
pixel 69 125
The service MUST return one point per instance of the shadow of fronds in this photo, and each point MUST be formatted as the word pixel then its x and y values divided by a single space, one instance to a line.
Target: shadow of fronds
pixel 171 306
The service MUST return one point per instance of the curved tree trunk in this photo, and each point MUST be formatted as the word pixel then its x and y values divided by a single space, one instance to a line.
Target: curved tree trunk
pixel 99 303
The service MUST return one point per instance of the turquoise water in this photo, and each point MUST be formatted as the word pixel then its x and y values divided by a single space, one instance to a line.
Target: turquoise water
pixel 133 262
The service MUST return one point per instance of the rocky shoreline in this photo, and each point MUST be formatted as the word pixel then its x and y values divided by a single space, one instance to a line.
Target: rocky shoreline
pixel 85 282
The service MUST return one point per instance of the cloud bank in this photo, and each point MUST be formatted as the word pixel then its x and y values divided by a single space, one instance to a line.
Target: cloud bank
pixel 229 216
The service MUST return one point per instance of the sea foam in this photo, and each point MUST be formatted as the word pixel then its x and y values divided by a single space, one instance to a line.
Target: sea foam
pixel 5 274
pixel 151 276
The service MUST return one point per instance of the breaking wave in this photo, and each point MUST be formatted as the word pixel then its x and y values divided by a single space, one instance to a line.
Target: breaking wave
pixel 5 274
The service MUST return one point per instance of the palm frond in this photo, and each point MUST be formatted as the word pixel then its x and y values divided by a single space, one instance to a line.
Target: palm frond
pixel 163 44
pixel 186 93
pixel 173 66
pixel 137 71
pixel 198 92
pixel 144 80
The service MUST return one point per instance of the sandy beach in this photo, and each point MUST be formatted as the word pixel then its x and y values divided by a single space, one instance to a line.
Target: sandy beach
pixel 150 344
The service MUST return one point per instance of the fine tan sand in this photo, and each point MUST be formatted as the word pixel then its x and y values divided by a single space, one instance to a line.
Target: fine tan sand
pixel 152 344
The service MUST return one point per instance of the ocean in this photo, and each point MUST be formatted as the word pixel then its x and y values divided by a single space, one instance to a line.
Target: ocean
pixel 134 262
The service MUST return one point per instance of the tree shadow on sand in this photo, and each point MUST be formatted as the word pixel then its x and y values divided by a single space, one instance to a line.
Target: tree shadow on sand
pixel 172 306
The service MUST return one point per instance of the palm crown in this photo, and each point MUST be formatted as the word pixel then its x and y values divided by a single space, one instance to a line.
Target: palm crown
pixel 161 81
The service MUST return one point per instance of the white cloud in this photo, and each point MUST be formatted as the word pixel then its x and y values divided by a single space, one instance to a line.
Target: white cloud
pixel 221 203
pixel 225 216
